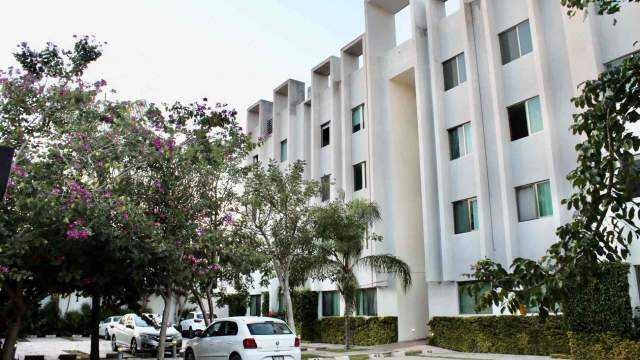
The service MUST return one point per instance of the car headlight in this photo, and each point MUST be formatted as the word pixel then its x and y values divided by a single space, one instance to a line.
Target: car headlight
pixel 147 338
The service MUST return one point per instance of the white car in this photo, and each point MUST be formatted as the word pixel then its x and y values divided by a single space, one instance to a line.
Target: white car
pixel 245 338
pixel 142 334
pixel 105 326
pixel 193 324
pixel 156 317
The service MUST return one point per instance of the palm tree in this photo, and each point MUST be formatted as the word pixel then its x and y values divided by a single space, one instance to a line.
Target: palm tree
pixel 341 231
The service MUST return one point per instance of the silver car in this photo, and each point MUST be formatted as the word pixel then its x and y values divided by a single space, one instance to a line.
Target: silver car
pixel 141 333
pixel 106 326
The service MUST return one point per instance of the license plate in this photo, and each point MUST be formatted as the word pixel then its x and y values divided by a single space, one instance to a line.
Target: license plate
pixel 278 357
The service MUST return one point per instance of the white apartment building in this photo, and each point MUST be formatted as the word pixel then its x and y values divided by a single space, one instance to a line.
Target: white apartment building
pixel 460 134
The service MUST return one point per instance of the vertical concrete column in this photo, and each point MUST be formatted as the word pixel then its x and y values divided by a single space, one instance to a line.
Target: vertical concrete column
pixel 335 133
pixel 348 64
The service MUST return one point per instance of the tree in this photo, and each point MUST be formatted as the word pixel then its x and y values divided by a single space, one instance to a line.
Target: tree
pixel 605 211
pixel 601 6
pixel 275 209
pixel 342 230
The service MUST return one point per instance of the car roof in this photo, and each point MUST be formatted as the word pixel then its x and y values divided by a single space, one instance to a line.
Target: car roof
pixel 251 319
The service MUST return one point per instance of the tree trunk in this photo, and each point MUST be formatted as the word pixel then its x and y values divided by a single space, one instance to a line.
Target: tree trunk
pixel 16 298
pixel 348 312
pixel 200 304
pixel 210 304
pixel 165 321
pixel 95 321
pixel 287 297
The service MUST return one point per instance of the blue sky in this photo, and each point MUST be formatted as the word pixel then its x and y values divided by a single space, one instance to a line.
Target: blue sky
pixel 234 51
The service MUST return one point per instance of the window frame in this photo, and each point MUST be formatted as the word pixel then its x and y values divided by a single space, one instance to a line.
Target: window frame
pixel 462 285
pixel 527 115
pixel 364 176
pixel 361 124
pixel 372 309
pixel 470 214
pixel 516 29
pixel 533 185
pixel 323 127
pixel 284 155
pixel 461 71
pixel 465 149
pixel 327 178
pixel 255 301
pixel 335 303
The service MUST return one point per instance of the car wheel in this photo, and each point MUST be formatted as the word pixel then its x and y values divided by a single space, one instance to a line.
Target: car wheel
pixel 235 357
pixel 106 334
pixel 191 335
pixel 114 345
pixel 134 347
pixel 189 355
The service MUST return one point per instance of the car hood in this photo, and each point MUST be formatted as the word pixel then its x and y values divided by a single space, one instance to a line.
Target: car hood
pixel 153 331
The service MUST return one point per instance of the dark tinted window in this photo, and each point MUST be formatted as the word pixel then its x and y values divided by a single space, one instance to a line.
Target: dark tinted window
pixel 450 74
pixel 268 328
pixel 359 176
pixel 231 328
pixel 212 329
pixel 326 138
pixel 518 121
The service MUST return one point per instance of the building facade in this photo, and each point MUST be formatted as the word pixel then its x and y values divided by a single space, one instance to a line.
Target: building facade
pixel 460 134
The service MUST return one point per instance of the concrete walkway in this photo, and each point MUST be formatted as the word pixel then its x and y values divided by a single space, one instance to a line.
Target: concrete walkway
pixel 417 350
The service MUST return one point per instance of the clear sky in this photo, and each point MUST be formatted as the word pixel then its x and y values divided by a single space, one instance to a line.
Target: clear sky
pixel 234 51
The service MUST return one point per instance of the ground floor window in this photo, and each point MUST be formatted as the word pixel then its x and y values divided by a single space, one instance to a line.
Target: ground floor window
pixel 254 305
pixel 330 303
pixel 469 300
pixel 366 302
pixel 282 305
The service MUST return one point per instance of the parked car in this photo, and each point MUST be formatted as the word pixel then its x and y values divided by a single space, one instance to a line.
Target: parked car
pixel 155 317
pixel 245 338
pixel 140 333
pixel 105 326
pixel 193 324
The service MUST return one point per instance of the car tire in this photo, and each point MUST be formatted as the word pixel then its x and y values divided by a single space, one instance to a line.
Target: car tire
pixel 189 355
pixel 114 345
pixel 106 334
pixel 235 356
pixel 134 347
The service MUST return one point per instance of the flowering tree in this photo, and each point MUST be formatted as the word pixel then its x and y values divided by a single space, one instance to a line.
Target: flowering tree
pixel 276 216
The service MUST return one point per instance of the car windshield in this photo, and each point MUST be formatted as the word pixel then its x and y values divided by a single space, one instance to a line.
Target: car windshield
pixel 144 322
pixel 199 316
pixel 116 318
pixel 268 328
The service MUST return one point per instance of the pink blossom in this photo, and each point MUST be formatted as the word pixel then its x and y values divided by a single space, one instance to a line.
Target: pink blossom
pixel 157 143
pixel 171 144
pixel 20 171
pixel 56 190
pixel 200 232
pixel 77 231
pixel 4 269
pixel 215 267
pixel 108 194
pixel 178 242
pixel 160 188
pixel 84 194
pixel 229 220
pixel 125 216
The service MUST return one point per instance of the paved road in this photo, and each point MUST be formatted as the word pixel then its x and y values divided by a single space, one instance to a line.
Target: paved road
pixel 51 348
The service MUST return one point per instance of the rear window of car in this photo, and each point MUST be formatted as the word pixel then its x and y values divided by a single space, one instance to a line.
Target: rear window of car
pixel 200 316
pixel 268 328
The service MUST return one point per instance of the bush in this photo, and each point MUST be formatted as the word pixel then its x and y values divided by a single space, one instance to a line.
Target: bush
pixel 608 346
pixel 237 303
pixel 366 330
pixel 601 306
pixel 501 334
pixel 265 303
pixel 305 313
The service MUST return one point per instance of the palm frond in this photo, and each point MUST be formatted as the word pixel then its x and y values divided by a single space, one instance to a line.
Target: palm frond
pixel 389 264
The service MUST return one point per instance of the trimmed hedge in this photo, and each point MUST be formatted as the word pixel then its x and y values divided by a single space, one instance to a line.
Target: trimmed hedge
pixel 367 331
pixel 305 313
pixel 598 307
pixel 526 335
pixel 608 346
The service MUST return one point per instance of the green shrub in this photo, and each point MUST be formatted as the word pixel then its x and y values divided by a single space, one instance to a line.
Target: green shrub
pixel 237 302
pixel 604 346
pixel 600 306
pixel 305 313
pixel 366 330
pixel 501 334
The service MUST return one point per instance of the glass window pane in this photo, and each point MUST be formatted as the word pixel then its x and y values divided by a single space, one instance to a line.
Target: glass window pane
pixel 461 220
pixel 469 300
pixel 283 151
pixel 518 121
pixel 357 118
pixel 450 74
pixel 454 143
pixel 544 199
pixel 462 69
pixel 509 46
pixel 475 215
pixel 524 35
pixel 526 199
pixel 468 143
pixel 358 180
pixel 336 303
pixel 325 137
pixel 535 115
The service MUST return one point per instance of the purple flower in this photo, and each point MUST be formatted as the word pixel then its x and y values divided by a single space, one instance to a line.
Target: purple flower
pixel 20 171
pixel 171 144
pixel 160 188
pixel 77 231
pixel 56 190
pixel 157 143
pixel 4 269
pixel 125 216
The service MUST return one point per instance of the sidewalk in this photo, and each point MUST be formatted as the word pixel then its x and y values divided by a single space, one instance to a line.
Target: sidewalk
pixel 414 350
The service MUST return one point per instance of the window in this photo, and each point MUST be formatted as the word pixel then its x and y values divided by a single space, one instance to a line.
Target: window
pixel 325 134
pixel 469 300
pixel 465 216
pixel 268 328
pixel 330 303
pixel 255 159
pixel 515 42
pixel 534 201
pixel 282 306
pixel 254 305
pixel 455 72
pixel 525 118
pixel 283 150
pixel 325 188
pixel 359 176
pixel 460 141
pixel 214 329
pixel 366 302
pixel 269 126
pixel 231 328
pixel 451 6
pixel 357 118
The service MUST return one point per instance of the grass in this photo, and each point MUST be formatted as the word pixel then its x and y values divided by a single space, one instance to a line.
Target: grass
pixel 414 353
pixel 359 357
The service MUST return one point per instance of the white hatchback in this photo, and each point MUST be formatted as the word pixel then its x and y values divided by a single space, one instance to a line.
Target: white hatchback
pixel 245 338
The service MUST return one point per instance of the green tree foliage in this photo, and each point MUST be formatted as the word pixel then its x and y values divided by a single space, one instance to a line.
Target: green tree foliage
pixel 601 6
pixel 342 230
pixel 275 216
